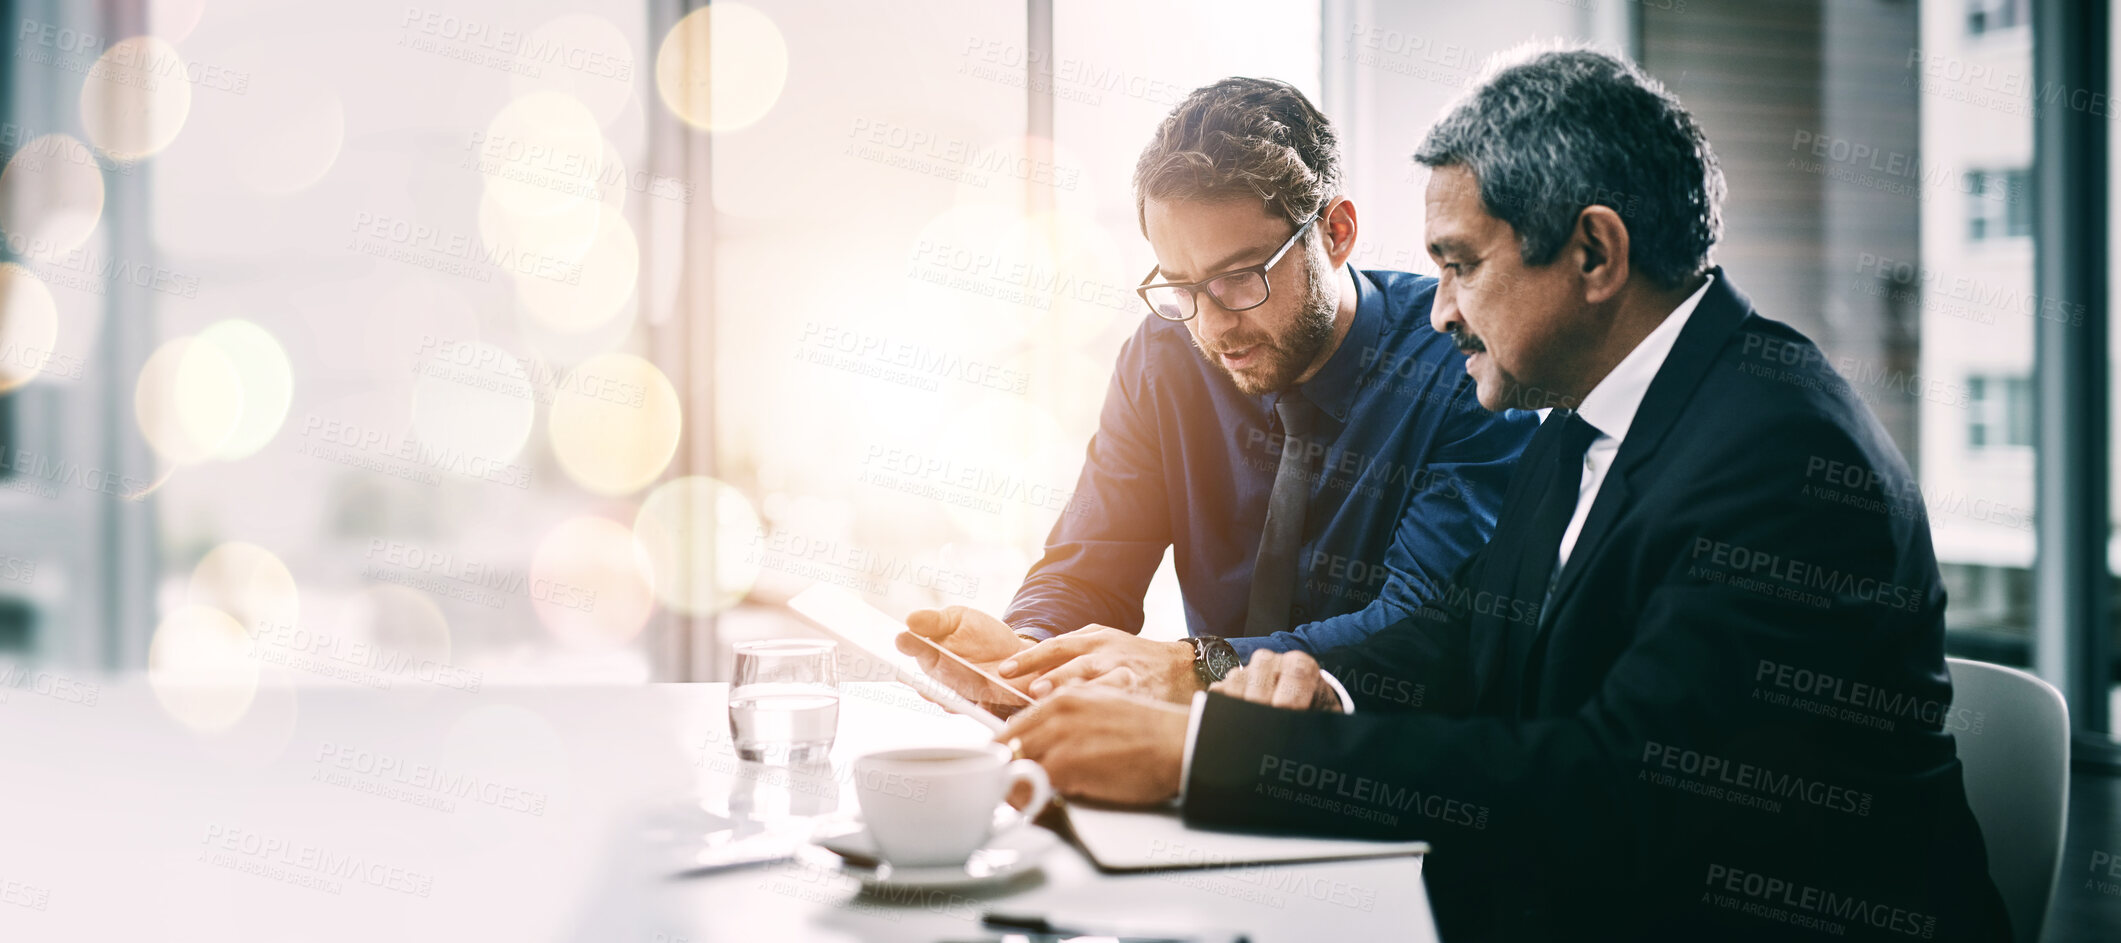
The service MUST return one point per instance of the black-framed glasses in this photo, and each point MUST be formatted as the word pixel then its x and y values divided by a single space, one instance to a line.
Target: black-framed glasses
pixel 1238 290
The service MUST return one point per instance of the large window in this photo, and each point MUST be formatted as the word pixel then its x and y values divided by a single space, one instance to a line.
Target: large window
pixel 1999 412
pixel 1999 204
pixel 1989 16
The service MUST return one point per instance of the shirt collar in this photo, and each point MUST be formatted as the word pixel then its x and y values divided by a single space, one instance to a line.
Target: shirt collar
pixel 1333 389
pixel 1610 406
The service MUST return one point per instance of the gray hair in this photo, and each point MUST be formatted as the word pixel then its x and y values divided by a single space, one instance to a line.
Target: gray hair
pixel 1550 131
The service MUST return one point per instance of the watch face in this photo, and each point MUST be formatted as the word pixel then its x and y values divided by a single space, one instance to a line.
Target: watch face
pixel 1221 658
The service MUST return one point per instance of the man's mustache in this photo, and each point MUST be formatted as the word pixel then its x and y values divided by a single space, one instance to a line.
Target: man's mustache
pixel 1467 343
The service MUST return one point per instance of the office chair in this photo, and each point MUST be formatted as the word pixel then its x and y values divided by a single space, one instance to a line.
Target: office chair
pixel 2017 781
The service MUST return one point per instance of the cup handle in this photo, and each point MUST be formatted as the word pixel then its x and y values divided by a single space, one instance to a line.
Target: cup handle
pixel 1025 771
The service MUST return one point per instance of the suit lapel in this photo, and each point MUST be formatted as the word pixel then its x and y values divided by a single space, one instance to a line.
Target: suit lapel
pixel 1721 310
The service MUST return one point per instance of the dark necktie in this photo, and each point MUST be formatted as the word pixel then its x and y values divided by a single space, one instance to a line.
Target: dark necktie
pixel 1274 568
pixel 1540 548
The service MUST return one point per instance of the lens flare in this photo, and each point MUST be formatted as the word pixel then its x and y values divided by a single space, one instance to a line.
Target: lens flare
pixel 589 582
pixel 136 98
pixel 248 583
pixel 200 668
pixel 189 401
pixel 722 67
pixel 51 195
pixel 267 379
pixel 543 153
pixel 696 531
pixel 615 423
pixel 474 409
pixel 595 290
pixel 29 326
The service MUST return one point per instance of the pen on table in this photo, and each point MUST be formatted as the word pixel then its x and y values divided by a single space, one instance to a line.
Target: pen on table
pixel 1038 925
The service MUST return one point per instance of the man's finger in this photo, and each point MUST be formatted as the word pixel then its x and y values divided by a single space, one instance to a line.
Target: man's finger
pixel 1232 684
pixel 1084 668
pixel 1299 678
pixel 1046 655
pixel 1264 673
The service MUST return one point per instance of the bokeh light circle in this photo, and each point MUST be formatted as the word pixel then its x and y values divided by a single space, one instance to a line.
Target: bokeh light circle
pixel 615 423
pixel 268 384
pixel 136 98
pixel 697 532
pixel 29 325
pixel 595 290
pixel 51 195
pixel 589 582
pixel 602 71
pixel 722 67
pixel 543 153
pixel 200 667
pixel 248 583
pixel 473 401
pixel 189 401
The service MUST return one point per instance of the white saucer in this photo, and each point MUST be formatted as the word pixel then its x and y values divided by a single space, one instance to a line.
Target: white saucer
pixel 1006 856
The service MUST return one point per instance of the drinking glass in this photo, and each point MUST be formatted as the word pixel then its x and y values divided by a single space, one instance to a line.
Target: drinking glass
pixel 784 705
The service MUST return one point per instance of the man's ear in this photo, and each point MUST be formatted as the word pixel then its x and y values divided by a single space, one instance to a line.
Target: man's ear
pixel 1338 225
pixel 1601 243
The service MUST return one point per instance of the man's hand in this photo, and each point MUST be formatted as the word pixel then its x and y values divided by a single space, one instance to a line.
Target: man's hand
pixel 1108 656
pixel 1280 679
pixel 1098 742
pixel 975 636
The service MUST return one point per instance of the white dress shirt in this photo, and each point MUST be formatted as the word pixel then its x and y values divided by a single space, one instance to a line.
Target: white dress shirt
pixel 1610 408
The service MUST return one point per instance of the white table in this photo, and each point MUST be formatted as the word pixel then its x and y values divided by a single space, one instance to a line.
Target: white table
pixel 424 812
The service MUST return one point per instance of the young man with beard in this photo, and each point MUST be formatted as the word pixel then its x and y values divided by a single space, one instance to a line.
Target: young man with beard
pixel 1288 425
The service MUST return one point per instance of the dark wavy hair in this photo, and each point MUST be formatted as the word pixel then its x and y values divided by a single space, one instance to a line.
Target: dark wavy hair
pixel 1242 138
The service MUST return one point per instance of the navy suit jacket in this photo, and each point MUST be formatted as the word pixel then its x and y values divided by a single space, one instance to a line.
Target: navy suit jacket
pixel 1730 719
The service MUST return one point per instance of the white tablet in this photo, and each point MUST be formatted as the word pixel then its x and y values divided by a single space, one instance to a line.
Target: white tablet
pixel 846 617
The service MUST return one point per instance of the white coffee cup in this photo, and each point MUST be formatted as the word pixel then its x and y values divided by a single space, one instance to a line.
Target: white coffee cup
pixel 935 806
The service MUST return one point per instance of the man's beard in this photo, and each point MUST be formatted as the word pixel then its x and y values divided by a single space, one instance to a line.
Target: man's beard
pixel 1286 357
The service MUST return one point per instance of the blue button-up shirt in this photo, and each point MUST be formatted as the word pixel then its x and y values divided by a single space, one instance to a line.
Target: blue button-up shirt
pixel 1410 481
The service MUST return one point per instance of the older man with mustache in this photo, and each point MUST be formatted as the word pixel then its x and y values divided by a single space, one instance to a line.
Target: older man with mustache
pixel 1593 724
